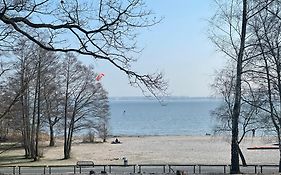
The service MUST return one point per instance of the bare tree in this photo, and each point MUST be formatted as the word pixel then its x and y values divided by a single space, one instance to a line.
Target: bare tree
pixel 104 29
pixel 51 93
pixel 22 79
pixel 81 99
pixel 102 113
pixel 31 69
pixel 230 34
pixel 249 119
pixel 266 29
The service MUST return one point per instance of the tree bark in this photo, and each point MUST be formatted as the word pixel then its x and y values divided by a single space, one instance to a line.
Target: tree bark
pixel 235 169
pixel 37 156
pixel 52 137
pixel 33 126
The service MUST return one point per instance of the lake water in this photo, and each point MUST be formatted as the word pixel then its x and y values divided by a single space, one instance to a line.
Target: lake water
pixel 138 116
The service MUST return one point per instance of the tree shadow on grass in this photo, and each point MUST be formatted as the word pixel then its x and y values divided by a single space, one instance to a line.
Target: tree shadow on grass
pixel 12 160
pixel 9 146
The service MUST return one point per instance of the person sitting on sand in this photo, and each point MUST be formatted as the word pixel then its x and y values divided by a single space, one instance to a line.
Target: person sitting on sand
pixel 116 141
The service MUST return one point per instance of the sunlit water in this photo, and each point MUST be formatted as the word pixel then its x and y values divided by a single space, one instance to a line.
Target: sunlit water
pixel 189 116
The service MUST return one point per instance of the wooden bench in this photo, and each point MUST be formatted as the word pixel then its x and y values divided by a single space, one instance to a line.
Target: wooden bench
pixel 85 163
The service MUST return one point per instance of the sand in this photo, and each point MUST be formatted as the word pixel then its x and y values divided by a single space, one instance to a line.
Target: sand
pixel 152 150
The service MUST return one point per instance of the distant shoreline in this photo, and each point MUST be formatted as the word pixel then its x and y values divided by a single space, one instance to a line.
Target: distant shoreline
pixel 164 135
pixel 123 98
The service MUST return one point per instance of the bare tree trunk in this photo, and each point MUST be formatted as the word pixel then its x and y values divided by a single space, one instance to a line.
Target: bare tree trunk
pixel 34 128
pixel 66 152
pixel 32 138
pixel 70 134
pixel 50 122
pixel 24 112
pixel 269 91
pixel 244 163
pixel 52 137
pixel 51 125
pixel 38 111
pixel 235 169
pixel 25 129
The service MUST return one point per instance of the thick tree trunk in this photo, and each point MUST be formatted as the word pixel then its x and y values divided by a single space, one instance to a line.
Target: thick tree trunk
pixel 51 123
pixel 24 112
pixel 234 148
pixel 37 156
pixel 27 125
pixel 52 137
pixel 25 130
pixel 235 169
pixel 68 146
pixel 35 120
pixel 69 137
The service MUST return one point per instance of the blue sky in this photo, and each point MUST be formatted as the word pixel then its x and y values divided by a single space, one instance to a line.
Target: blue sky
pixel 178 46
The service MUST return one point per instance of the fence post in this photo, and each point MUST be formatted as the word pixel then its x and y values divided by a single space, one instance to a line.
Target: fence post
pixel 109 168
pixel 139 168
pixel 194 169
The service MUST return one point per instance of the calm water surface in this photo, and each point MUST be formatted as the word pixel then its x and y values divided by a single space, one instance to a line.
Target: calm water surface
pixel 177 117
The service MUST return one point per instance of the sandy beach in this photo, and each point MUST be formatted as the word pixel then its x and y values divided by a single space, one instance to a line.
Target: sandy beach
pixel 152 149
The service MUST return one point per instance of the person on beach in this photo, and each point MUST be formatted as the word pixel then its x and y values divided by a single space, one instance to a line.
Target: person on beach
pixel 116 141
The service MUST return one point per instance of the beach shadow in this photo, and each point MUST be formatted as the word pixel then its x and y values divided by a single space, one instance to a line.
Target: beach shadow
pixel 9 146
pixel 12 160
pixel 95 142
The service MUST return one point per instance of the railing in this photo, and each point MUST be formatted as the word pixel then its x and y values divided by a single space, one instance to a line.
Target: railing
pixel 132 168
